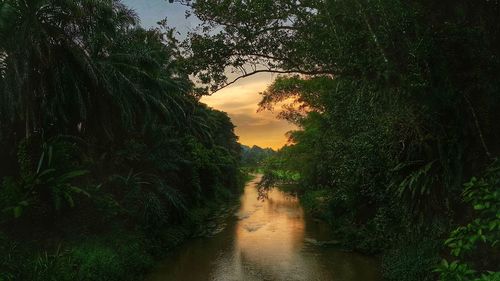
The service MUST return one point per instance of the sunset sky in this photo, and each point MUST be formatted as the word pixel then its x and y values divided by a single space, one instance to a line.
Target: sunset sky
pixel 238 100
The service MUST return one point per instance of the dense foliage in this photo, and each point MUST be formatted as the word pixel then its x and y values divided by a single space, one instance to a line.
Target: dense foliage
pixel 106 148
pixel 397 104
pixel 483 232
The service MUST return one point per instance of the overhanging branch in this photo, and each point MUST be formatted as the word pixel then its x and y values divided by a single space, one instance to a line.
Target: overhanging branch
pixel 314 72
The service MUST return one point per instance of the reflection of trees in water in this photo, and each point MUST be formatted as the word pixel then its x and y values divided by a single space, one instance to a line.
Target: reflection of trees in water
pixel 264 189
pixel 267 181
pixel 263 193
pixel 280 202
pixel 289 202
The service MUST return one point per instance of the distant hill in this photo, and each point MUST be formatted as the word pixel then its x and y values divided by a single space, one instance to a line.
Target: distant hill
pixel 253 156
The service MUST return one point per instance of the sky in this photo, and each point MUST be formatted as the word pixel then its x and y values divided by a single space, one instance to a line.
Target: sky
pixel 239 100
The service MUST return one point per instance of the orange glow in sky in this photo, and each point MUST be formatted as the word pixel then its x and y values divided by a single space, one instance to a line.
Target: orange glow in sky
pixel 240 102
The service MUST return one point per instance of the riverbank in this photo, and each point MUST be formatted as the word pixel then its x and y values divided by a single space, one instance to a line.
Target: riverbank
pixel 408 257
pixel 121 254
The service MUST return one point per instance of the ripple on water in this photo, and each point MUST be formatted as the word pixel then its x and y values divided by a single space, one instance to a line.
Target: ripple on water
pixel 244 215
pixel 253 226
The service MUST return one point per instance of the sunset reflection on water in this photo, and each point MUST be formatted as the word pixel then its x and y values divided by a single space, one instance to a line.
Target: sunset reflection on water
pixel 271 231
pixel 269 239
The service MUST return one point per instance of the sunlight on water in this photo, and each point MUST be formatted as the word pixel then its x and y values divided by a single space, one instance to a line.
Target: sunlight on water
pixel 269 239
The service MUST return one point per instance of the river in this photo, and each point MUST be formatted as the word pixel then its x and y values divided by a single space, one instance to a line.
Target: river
pixel 266 239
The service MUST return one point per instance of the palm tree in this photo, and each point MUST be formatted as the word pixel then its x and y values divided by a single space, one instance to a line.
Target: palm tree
pixel 43 55
pixel 83 67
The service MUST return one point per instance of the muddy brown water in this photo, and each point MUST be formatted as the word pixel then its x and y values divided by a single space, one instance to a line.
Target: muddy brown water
pixel 266 239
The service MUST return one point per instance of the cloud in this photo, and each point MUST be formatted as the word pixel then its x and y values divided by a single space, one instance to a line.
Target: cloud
pixel 240 101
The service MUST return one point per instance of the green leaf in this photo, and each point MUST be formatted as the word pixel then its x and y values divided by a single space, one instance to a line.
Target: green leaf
pixel 46 172
pixel 479 207
pixel 72 175
pixel 40 162
pixel 70 200
pixel 18 210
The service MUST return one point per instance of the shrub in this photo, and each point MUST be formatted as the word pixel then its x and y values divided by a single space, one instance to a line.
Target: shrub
pixel 411 261
pixel 473 245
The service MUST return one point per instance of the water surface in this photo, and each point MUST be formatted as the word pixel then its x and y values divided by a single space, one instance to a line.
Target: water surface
pixel 266 239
